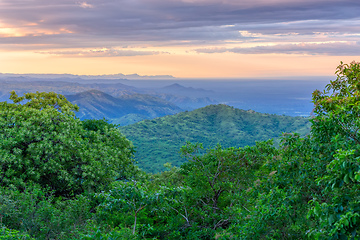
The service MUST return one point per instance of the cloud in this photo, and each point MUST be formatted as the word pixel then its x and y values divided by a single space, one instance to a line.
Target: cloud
pixel 102 53
pixel 85 5
pixel 333 49
pixel 38 24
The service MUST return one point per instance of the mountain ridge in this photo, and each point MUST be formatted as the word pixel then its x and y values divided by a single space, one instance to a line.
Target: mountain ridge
pixel 95 104
pixel 178 89
pixel 103 76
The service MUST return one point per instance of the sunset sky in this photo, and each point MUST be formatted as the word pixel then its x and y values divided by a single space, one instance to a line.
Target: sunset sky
pixel 183 38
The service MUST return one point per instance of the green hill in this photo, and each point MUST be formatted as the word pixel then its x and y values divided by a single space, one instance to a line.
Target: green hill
pixel 122 110
pixel 158 141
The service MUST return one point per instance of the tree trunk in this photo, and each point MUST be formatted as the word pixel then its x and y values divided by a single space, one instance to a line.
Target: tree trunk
pixel 134 228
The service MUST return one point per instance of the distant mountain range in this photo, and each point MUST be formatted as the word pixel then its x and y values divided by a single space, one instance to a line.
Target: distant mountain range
pixel 62 87
pixel 159 140
pixel 95 104
pixel 186 103
pixel 268 96
pixel 118 102
pixel 178 89
pixel 72 76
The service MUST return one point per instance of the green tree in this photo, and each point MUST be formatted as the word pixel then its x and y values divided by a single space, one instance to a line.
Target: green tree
pixel 10 234
pixel 337 108
pixel 42 100
pixel 40 214
pixel 42 141
pixel 276 203
pixel 217 176
pixel 337 124
pixel 126 198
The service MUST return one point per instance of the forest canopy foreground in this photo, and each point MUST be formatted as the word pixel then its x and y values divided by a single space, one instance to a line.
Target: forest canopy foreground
pixel 63 178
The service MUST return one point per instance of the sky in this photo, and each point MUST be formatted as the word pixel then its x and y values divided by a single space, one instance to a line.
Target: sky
pixel 183 38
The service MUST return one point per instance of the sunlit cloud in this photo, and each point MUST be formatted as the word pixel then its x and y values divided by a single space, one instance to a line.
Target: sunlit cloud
pixel 28 29
pixel 322 48
pixel 102 53
pixel 185 28
pixel 158 20
pixel 85 5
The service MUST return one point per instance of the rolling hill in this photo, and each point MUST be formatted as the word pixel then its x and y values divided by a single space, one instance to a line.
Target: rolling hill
pixel 159 140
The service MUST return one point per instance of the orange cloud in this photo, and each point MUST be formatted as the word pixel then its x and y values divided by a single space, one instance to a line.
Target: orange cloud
pixel 29 29
pixel 85 5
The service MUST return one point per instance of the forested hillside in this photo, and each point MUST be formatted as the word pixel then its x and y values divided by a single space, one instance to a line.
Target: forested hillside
pixel 158 141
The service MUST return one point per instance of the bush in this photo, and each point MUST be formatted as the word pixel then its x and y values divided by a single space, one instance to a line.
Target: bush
pixel 9 234
pixel 41 215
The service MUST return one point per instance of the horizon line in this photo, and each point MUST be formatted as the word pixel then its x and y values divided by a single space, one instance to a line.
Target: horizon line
pixel 136 77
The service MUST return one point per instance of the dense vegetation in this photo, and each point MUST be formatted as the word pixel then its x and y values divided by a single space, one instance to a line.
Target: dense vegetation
pixel 158 140
pixel 42 142
pixel 308 188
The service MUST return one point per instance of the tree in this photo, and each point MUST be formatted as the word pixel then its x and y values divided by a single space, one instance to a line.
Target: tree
pixel 311 188
pixel 129 198
pixel 337 108
pixel 43 100
pixel 337 124
pixel 42 141
pixel 216 176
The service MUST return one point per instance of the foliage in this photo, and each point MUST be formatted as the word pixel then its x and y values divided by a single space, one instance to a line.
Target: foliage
pixel 97 125
pixel 339 104
pixel 42 142
pixel 41 215
pixel 129 198
pixel 113 234
pixel 191 202
pixel 310 190
pixel 275 204
pixel 337 123
pixel 10 234
pixel 200 198
pixel 43 100
pixel 218 173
